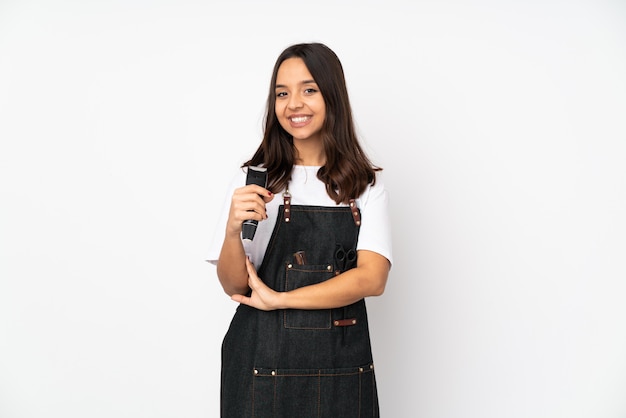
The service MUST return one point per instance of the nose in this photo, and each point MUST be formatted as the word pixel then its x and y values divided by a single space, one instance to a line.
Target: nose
pixel 295 102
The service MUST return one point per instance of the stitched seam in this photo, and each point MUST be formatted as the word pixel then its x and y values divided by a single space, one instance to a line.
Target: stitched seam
pixel 319 395
pixel 313 374
pixel 359 414
pixel 253 391
pixel 275 393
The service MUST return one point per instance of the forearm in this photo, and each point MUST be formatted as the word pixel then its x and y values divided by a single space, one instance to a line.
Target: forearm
pixel 248 202
pixel 367 279
pixel 231 266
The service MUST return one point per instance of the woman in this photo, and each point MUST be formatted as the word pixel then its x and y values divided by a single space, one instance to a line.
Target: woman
pixel 298 344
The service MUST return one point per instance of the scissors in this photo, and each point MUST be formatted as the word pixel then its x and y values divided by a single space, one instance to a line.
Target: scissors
pixel 344 258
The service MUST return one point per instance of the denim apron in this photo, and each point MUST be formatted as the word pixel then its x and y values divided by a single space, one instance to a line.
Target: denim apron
pixel 302 363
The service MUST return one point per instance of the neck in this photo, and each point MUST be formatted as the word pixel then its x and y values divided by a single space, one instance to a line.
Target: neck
pixel 309 163
pixel 310 156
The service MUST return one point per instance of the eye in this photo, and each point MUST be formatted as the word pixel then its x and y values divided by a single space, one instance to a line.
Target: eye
pixel 310 90
pixel 281 94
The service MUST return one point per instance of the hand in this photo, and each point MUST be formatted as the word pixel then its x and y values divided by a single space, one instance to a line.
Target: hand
pixel 262 297
pixel 247 203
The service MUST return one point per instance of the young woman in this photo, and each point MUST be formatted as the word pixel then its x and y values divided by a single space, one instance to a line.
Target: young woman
pixel 298 344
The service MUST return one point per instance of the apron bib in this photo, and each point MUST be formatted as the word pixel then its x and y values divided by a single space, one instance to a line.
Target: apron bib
pixel 302 363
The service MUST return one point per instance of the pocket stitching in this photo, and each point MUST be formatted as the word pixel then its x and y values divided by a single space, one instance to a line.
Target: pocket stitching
pixel 314 269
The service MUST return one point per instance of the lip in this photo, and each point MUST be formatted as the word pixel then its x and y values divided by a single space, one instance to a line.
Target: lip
pixel 304 120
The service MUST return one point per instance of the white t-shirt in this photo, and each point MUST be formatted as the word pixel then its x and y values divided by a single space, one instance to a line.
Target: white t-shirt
pixel 306 189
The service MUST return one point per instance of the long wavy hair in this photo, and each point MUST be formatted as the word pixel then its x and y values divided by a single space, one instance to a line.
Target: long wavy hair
pixel 347 170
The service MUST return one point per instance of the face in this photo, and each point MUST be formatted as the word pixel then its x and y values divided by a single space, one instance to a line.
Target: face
pixel 300 107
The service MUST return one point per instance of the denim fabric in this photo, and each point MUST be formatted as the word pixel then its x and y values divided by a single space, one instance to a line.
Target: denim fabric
pixel 299 363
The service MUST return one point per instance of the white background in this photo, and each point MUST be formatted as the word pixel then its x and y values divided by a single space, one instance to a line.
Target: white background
pixel 501 128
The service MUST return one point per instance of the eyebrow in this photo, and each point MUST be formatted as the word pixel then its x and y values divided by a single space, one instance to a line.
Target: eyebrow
pixel 302 82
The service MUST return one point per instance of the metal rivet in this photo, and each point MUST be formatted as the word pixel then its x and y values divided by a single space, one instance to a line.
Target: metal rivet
pixel 372 366
pixel 273 373
pixel 358 222
pixel 329 268
pixel 336 323
pixel 360 369
pixel 353 321
pixel 289 266
pixel 286 209
pixel 286 219
pixel 256 371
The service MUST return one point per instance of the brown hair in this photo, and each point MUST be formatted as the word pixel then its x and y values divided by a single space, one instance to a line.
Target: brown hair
pixel 347 170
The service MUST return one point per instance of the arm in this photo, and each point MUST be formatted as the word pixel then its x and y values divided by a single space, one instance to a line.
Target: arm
pixel 368 278
pixel 246 203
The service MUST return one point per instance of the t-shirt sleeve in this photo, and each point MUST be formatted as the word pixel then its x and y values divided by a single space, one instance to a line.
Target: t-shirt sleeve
pixel 375 232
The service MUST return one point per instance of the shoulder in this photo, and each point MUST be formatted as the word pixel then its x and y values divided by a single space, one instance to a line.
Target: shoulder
pixel 375 191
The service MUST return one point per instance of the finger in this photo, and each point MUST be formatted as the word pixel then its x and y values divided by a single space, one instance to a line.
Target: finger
pixel 268 197
pixel 253 278
pixel 252 210
pixel 252 190
pixel 252 197
pixel 248 201
pixel 250 267
pixel 241 299
pixel 259 190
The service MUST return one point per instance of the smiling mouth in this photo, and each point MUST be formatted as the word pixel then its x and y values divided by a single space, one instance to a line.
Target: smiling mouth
pixel 299 119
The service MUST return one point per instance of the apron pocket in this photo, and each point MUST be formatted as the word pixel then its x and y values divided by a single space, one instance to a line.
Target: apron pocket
pixel 304 275
pixel 345 393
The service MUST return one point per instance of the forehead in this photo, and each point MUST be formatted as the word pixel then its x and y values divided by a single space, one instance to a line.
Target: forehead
pixel 293 71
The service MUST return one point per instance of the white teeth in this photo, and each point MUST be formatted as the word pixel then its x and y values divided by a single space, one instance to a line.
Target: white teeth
pixel 300 119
